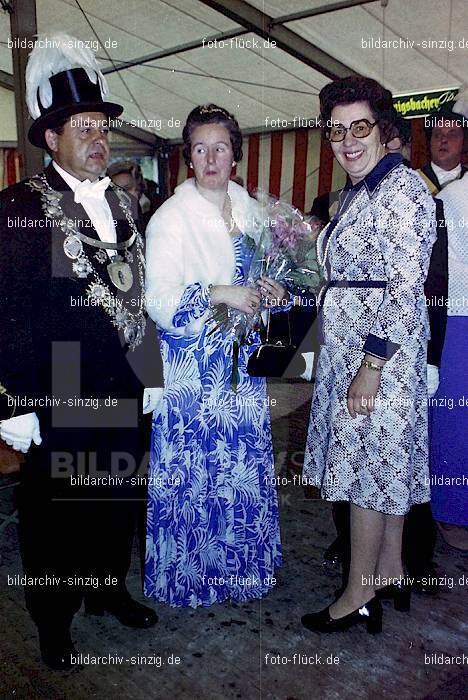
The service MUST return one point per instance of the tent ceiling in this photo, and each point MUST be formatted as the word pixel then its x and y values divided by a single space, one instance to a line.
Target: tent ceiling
pixel 170 87
pixel 402 69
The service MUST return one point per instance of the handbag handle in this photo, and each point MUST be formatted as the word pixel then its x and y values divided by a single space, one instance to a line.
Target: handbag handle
pixel 267 337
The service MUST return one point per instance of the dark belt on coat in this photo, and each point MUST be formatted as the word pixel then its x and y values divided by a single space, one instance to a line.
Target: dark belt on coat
pixel 359 284
pixel 372 284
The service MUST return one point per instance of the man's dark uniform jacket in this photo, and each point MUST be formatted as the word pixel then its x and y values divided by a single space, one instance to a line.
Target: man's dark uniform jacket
pixel 436 287
pixel 53 347
pixel 420 531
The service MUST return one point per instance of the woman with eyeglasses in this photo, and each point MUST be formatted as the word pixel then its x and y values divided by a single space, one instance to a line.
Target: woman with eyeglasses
pixel 367 440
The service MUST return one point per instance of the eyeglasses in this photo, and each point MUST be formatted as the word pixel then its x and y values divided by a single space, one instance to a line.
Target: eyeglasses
pixel 359 129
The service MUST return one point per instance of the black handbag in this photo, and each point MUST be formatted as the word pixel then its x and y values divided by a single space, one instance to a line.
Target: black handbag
pixel 276 357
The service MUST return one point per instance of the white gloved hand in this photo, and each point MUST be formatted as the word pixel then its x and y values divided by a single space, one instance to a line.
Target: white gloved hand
pixel 432 380
pixel 151 399
pixel 309 360
pixel 18 432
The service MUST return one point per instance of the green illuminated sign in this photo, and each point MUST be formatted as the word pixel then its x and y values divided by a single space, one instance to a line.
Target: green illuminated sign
pixel 420 104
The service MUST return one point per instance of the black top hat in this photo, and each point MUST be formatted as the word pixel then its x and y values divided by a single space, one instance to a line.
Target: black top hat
pixel 72 92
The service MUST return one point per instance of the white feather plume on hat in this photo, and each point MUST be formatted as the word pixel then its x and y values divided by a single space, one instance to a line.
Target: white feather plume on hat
pixel 461 105
pixel 54 54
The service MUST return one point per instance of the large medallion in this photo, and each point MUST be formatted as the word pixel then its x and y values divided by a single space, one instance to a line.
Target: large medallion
pixel 134 331
pixel 121 275
pixel 72 247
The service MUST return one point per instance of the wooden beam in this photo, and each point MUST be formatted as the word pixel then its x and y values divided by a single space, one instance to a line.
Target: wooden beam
pixel 6 80
pixel 24 26
pixel 262 24
pixel 326 168
pixel 136 133
pixel 420 154
pixel 173 50
pixel 321 10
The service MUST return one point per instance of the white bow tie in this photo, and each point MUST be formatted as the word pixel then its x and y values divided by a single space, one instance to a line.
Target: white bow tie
pixel 87 190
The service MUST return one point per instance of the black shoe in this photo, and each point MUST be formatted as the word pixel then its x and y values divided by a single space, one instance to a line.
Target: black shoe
pixel 127 611
pixel 57 651
pixel 399 592
pixel 370 614
pixel 425 582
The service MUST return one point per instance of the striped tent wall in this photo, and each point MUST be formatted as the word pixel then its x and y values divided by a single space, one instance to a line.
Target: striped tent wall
pixel 9 167
pixel 285 164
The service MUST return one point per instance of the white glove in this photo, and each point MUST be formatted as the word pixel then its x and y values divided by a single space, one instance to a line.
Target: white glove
pixel 152 399
pixel 432 380
pixel 309 360
pixel 18 432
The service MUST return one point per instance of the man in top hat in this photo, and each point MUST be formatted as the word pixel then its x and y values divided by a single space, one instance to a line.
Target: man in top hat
pixel 76 352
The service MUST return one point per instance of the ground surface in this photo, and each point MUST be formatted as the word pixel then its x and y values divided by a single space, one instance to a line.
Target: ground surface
pixel 231 651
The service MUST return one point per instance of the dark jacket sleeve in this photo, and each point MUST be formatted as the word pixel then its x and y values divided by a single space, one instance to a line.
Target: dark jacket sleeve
pixel 145 360
pixel 18 375
pixel 436 289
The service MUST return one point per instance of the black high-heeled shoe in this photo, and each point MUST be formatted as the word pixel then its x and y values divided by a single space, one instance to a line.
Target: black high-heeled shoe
pixel 399 592
pixel 127 611
pixel 369 614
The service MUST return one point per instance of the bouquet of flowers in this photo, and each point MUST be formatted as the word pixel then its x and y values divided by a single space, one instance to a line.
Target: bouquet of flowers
pixel 282 244
pixel 287 245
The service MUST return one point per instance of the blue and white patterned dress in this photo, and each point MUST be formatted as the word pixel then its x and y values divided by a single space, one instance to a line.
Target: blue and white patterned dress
pixel 213 528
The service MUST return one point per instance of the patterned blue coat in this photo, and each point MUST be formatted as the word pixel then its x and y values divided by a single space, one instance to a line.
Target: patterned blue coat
pixel 376 254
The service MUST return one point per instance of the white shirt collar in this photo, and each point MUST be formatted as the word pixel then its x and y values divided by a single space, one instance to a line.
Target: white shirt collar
pixel 445 176
pixel 71 180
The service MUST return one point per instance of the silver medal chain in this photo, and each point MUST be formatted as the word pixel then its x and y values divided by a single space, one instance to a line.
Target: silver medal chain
pixel 131 324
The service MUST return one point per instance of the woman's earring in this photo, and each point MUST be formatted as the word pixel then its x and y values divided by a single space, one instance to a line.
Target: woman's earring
pixel 233 163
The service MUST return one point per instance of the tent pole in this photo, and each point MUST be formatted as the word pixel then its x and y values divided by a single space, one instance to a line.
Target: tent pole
pixel 24 27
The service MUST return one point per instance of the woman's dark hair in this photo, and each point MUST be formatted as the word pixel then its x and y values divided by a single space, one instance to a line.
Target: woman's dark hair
pixel 212 114
pixel 356 88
